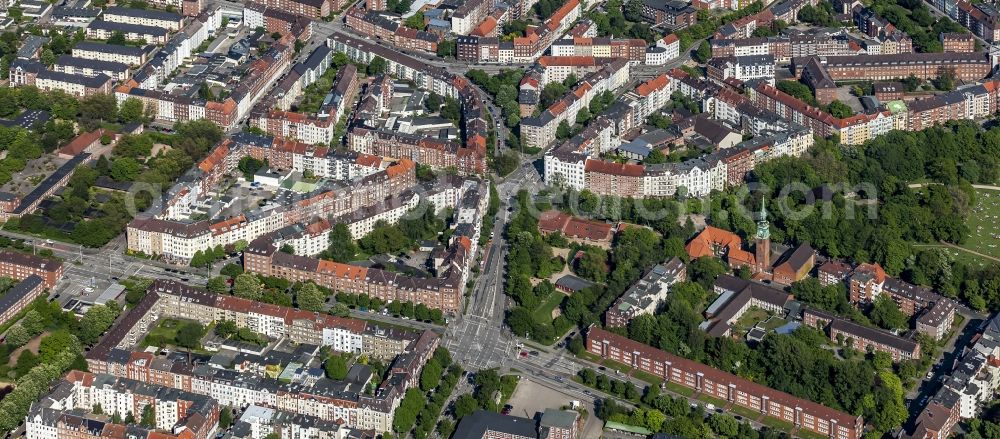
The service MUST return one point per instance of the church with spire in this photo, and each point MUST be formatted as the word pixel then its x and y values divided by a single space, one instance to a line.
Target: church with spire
pixel 785 266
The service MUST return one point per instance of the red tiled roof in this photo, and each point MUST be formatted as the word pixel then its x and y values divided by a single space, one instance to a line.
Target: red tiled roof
pixel 215 157
pixel 318 226
pixel 652 85
pixel 705 243
pixel 224 226
pixel 342 270
pixel 400 167
pixel 796 105
pixel 81 142
pixel 552 221
pixel 485 28
pixel 588 229
pixel 557 107
pixel 576 61
pixel 557 17
pixel 875 269
pixel 369 160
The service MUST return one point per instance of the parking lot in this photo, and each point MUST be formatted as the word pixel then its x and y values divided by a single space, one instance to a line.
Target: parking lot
pixel 532 397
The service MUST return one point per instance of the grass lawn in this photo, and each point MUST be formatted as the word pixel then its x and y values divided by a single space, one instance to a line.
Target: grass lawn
pixel 537 347
pixel 647 377
pixel 167 329
pixel 590 357
pixel 808 434
pixel 165 334
pixel 679 389
pixel 744 412
pixel 959 319
pixel 614 365
pixel 508 383
pixel 777 424
pixel 750 318
pixel 388 325
pixel 984 224
pixel 959 255
pixel 717 402
pixel 543 314
pixel 773 323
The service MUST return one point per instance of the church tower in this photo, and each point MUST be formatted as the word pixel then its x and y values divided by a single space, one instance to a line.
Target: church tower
pixel 762 246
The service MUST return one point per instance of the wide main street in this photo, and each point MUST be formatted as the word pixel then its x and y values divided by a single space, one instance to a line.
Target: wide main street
pixel 478 338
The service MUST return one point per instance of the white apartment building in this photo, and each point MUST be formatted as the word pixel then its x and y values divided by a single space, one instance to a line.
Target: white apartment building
pixel 743 68
pixel 144 17
pixel 132 56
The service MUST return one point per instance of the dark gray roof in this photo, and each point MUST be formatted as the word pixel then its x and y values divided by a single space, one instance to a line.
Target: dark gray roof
pixel 144 13
pixel 104 66
pixel 668 5
pixel 50 181
pixel 637 147
pixel 866 333
pixel 573 283
pixel 28 119
pixel 112 26
pixel 87 81
pixel 317 57
pixel 69 11
pixel 476 425
pixel 798 257
pixel 110 48
pixel 950 98
pixel 558 418
pixel 31 45
pixel 19 292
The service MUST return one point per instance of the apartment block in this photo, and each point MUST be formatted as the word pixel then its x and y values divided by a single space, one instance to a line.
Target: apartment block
pixel 645 296
pixel 345 402
pixel 862 338
pixel 958 42
pixel 18 297
pixel 178 414
pixel 21 266
pixel 103 30
pixel 769 402
pixel 133 56
pixel 144 17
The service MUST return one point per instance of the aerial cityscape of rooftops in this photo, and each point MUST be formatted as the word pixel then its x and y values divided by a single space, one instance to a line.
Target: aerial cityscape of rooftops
pixel 500 219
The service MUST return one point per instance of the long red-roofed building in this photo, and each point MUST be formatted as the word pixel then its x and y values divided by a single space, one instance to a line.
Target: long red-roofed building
pixel 802 413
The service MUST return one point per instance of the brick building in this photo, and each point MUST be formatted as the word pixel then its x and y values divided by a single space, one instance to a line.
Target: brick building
pixel 889 91
pixel 307 8
pixel 20 266
pixel 956 42
pixel 862 338
pixel 966 66
pixel 673 14
pixel 804 414
pixel 608 177
pixel 18 297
